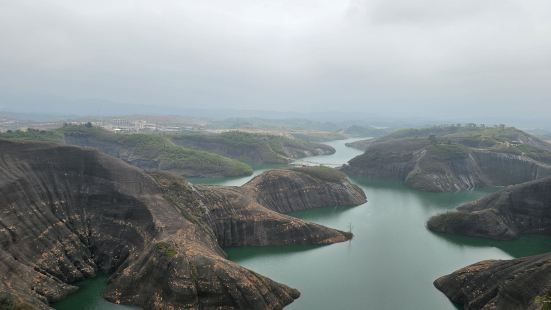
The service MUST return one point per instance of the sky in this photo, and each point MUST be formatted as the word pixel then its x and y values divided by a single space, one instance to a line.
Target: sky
pixel 432 58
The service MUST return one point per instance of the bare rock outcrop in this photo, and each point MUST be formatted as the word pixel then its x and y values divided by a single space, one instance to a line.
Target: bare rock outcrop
pixel 516 284
pixel 519 209
pixel 451 159
pixel 68 213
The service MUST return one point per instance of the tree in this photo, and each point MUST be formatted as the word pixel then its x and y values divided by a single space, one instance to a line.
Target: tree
pixel 88 125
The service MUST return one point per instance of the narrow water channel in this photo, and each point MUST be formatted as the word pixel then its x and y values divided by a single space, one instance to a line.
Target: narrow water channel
pixel 392 260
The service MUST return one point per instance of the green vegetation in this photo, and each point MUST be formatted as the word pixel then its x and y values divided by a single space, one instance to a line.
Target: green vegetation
pixel 169 155
pixel 455 142
pixel 446 151
pixel 158 150
pixel 544 301
pixel 33 135
pixel 249 147
pixel 470 130
pixel 322 173
pixel 166 249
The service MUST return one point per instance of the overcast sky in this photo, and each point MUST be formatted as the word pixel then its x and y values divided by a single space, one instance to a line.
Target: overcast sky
pixel 406 57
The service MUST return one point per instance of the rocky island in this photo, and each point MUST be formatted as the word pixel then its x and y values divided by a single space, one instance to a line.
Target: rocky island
pixel 454 158
pixel 69 212
pixel 521 283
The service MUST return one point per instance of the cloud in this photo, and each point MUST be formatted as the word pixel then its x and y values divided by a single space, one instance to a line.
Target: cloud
pixel 436 57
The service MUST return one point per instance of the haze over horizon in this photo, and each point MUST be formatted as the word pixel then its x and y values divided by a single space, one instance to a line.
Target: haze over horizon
pixel 483 60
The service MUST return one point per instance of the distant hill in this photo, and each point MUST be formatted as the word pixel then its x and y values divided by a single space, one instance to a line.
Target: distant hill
pixel 252 148
pixel 453 158
pixel 147 151
pixel 364 131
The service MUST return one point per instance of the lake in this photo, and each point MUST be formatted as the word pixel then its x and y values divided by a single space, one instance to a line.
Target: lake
pixel 389 264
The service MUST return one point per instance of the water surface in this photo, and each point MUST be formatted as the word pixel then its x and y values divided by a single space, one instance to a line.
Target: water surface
pixel 89 297
pixel 392 260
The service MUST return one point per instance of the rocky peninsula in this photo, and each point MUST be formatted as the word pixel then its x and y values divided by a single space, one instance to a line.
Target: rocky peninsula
pixel 520 209
pixel 521 283
pixel 69 213
pixel 454 158
pixel 253 148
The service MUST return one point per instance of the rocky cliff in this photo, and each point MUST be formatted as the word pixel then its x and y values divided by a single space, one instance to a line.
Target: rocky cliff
pixel 518 284
pixel 305 188
pixel 509 284
pixel 68 213
pixel 460 160
pixel 519 209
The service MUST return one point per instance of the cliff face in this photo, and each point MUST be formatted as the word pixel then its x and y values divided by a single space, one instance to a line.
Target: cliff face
pixel 295 190
pixel 510 285
pixel 524 208
pixel 68 213
pixel 454 162
pixel 253 148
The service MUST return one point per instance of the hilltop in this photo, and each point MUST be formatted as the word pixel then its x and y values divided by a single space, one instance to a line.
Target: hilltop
pixel 454 158
pixel 147 151
pixel 252 148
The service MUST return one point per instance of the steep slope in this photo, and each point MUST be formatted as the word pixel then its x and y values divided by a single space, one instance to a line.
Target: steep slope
pixel 518 284
pixel 68 213
pixel 454 159
pixel 512 284
pixel 253 148
pixel 146 151
pixel 305 188
pixel 519 209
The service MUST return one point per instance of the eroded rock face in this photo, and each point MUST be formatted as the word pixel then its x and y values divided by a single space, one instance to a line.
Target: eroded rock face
pixel 294 190
pixel 67 213
pixel 524 208
pixel 443 167
pixel 508 284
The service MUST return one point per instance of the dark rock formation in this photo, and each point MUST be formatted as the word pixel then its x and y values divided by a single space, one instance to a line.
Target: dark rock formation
pixel 523 208
pixel 500 284
pixel 295 190
pixel 509 284
pixel 455 160
pixel 67 213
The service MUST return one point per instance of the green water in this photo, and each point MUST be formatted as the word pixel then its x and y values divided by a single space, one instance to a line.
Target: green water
pixel 88 297
pixel 391 262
